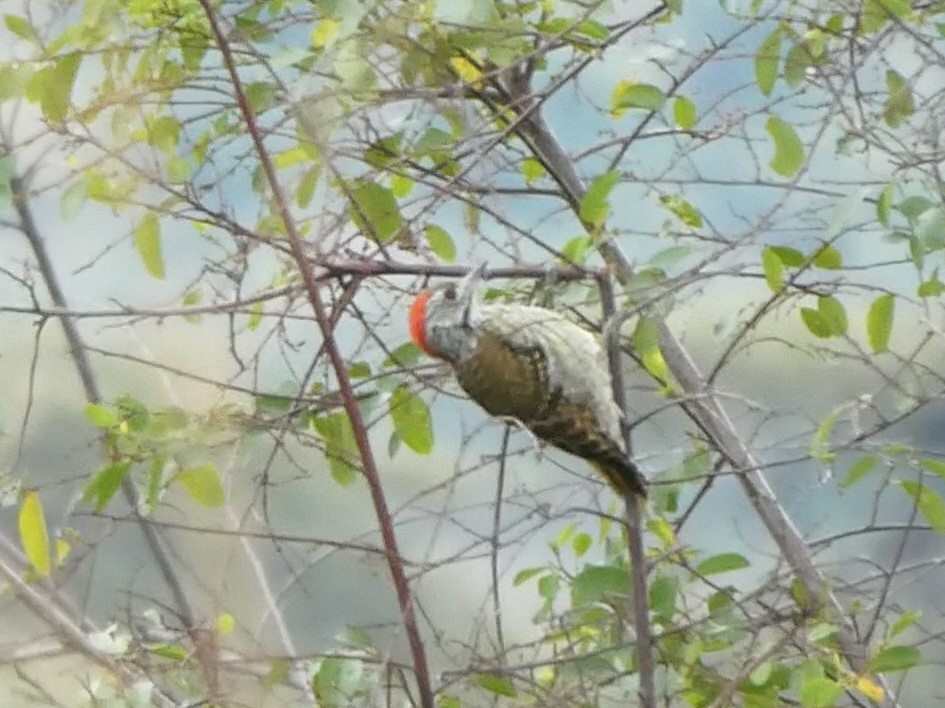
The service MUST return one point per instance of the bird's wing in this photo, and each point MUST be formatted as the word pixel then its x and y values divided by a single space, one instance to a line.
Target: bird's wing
pixel 506 380
pixel 512 380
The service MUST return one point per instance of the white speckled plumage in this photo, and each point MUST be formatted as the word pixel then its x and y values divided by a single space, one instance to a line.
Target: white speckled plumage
pixel 577 363
pixel 532 364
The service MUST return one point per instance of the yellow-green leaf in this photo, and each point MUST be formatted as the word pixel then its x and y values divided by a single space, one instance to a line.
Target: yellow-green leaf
pixel 51 87
pixel 226 623
pixel 879 322
pixel 684 112
pixel 203 484
pixel 773 269
pixel 440 242
pixel 722 563
pixel 860 468
pixel 928 502
pixel 884 204
pixel 834 314
pixel 340 446
pixel 499 685
pixel 895 658
pixel 411 418
pixel 33 535
pixel 104 483
pixel 595 206
pixel 899 104
pixel 766 61
pixel 828 258
pixel 683 210
pixel 788 149
pixel 147 240
pixel 374 209
pixel 628 94
pixel 532 170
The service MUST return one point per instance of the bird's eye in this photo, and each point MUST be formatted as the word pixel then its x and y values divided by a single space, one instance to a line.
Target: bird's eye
pixel 450 293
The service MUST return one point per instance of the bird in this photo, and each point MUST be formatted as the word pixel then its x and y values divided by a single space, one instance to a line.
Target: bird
pixel 531 364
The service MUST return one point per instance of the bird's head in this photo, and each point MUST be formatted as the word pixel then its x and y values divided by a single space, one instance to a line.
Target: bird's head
pixel 440 318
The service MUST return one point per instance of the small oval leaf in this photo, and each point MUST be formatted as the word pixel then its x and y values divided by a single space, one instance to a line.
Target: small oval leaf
pixel 879 322
pixel 788 148
pixel 34 537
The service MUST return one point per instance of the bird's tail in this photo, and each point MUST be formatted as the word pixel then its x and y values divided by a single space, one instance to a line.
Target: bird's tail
pixel 624 476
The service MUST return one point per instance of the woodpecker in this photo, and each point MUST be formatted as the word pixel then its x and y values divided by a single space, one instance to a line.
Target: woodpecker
pixel 531 364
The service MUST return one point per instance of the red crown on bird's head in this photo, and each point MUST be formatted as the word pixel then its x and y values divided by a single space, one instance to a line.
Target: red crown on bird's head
pixel 418 320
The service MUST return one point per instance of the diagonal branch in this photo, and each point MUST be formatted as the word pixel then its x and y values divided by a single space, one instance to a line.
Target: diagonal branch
pixel 385 521
pixel 702 405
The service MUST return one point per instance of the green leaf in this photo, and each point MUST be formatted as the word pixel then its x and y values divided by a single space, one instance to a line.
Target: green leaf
pixel 523 576
pixel 899 104
pixel 532 170
pixel 628 94
pixel 936 467
pixel 499 685
pixel 821 439
pixel 833 314
pixel 164 133
pixel 879 322
pixel 796 63
pixel 931 288
pixel 790 257
pixel 407 354
pixel 260 95
pixel 595 206
pixel 683 210
pixel 860 469
pixel 34 538
pixel 927 501
pixel 147 241
pixel 684 112
pixel 766 62
pixel 815 323
pixel 104 483
pixel 374 210
pixel 884 203
pixel 582 544
pixel 895 658
pixel 819 634
pixel 440 242
pixel 100 416
pixel 828 258
pixel 904 622
pixel 664 589
pixel 575 249
pixel 51 87
pixel 820 692
pixel 788 148
pixel 722 563
pixel 203 484
pixel 773 269
pixel 599 583
pixel 21 27
pixel 411 418
pixel 646 341
pixel 340 446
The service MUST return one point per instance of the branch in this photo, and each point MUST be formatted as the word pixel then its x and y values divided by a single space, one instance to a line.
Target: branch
pixel 160 548
pixel 702 404
pixel 634 513
pixel 385 521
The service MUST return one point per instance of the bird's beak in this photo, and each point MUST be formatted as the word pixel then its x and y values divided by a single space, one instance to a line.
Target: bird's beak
pixel 467 286
pixel 467 289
